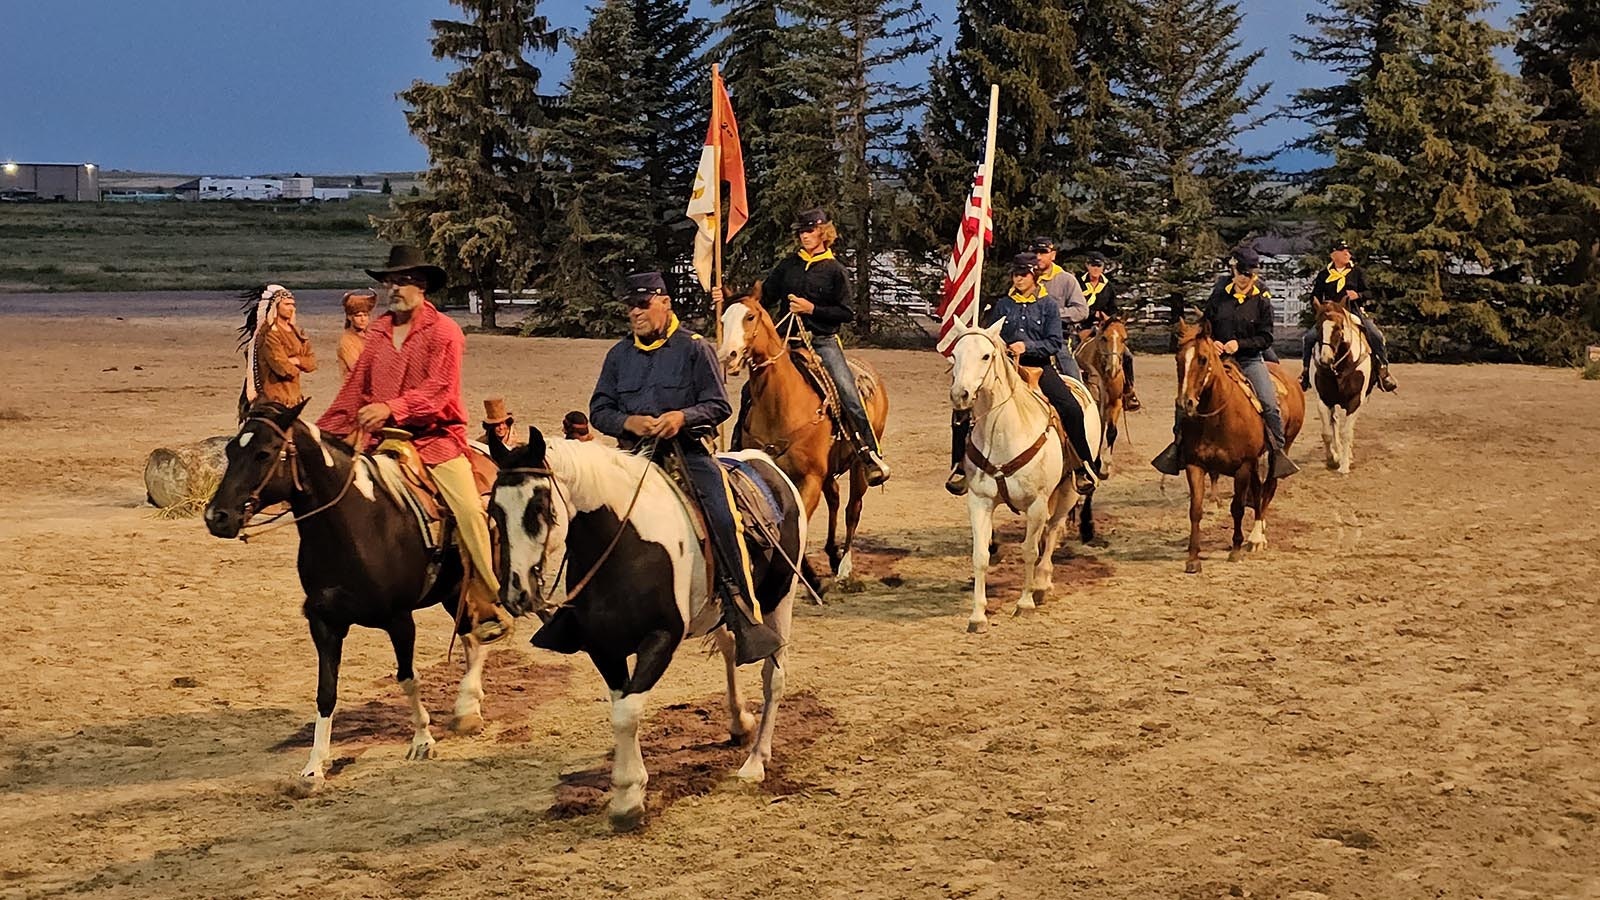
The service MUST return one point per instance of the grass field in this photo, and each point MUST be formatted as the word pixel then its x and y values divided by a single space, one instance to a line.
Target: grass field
pixel 185 246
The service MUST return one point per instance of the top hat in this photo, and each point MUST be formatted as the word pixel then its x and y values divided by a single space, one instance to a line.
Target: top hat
pixel 409 259
pixel 494 411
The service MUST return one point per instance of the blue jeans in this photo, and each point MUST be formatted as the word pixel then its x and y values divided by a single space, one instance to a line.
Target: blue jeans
pixel 831 352
pixel 1255 369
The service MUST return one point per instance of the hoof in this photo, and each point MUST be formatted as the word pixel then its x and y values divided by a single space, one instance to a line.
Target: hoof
pixel 1097 542
pixel 1021 611
pixel 1235 554
pixel 752 772
pixel 467 723
pixel 740 733
pixel 1344 470
pixel 626 820
pixel 421 750
pixel 848 584
pixel 305 785
pixel 1040 596
pixel 977 627
pixel 1255 547
pixel 1192 567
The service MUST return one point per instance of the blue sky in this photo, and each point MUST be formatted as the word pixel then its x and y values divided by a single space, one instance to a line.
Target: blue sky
pixel 226 86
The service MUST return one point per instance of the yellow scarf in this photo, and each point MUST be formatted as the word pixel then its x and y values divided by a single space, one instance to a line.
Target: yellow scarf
pixel 1023 298
pixel 672 326
pixel 809 259
pixel 1051 273
pixel 1336 277
pixel 1091 290
pixel 1249 292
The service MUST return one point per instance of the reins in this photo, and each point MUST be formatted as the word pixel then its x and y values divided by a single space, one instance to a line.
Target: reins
pixel 291 454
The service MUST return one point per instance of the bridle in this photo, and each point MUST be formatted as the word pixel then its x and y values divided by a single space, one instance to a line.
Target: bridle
pixel 1347 344
pixel 1204 386
pixel 288 454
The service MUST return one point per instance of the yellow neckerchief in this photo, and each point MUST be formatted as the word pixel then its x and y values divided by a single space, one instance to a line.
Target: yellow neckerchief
pixel 1052 272
pixel 1253 289
pixel 672 326
pixel 1023 298
pixel 1336 277
pixel 827 253
pixel 1092 289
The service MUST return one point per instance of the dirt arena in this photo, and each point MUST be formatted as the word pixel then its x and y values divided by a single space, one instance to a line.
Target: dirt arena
pixel 1404 711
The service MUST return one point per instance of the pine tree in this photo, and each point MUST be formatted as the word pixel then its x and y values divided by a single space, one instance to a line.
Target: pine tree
pixel 1098 144
pixel 387 188
pixel 596 148
pixel 1440 208
pixel 1560 53
pixel 482 219
pixel 1193 191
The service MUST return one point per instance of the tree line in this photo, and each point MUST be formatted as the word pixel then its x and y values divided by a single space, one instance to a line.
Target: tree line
pixel 1471 192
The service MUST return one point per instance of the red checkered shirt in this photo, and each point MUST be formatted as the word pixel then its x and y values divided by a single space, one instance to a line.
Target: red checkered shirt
pixel 420 381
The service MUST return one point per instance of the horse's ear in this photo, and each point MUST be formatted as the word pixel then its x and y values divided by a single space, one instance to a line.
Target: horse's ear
pixel 498 451
pixel 1205 328
pixel 994 330
pixel 960 326
pixel 536 447
pixel 755 292
pixel 290 414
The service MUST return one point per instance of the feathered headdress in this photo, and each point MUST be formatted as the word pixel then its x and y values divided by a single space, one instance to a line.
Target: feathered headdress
pixel 260 309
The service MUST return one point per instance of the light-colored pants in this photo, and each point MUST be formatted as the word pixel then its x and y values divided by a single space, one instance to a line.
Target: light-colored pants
pixel 454 478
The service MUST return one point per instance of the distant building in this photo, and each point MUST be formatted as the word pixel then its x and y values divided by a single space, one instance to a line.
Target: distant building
pixel 210 188
pixel 70 182
pixel 298 188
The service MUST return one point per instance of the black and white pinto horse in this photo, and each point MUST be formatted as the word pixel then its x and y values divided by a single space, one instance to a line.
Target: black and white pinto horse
pixel 362 561
pixel 616 526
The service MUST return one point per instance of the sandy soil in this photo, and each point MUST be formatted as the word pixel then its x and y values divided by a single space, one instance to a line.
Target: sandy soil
pixel 1404 712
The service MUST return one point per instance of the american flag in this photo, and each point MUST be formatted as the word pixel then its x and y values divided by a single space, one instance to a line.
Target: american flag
pixel 964 274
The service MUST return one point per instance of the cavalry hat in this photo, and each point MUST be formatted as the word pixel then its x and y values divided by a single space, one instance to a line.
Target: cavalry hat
pixel 1042 244
pixel 494 411
pixel 410 259
pixel 359 302
pixel 1244 259
pixel 1338 244
pixel 810 219
pixel 1095 259
pixel 1026 261
pixel 644 285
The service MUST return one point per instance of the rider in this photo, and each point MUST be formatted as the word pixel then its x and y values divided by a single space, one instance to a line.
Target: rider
pixel 1032 333
pixel 1240 313
pixel 409 376
pixel 814 286
pixel 1102 300
pixel 1063 288
pixel 664 383
pixel 1346 281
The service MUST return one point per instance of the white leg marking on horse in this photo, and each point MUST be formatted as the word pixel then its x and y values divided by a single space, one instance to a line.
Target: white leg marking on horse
pixel 628 776
pixel 982 515
pixel 1258 536
pixel 421 739
pixel 363 479
pixel 317 765
pixel 468 718
pixel 244 439
pixel 847 566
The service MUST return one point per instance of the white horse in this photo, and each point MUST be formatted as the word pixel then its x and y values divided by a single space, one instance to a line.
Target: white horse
pixel 1341 379
pixel 1014 433
pixel 638 582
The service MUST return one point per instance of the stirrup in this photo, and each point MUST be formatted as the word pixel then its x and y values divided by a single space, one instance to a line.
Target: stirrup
pixel 957 482
pixel 877 469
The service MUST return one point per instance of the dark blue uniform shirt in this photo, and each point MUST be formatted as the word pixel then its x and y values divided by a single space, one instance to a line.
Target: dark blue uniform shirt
pixel 1037 325
pixel 682 374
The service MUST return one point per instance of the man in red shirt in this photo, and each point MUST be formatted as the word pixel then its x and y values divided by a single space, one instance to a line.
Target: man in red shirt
pixel 409 376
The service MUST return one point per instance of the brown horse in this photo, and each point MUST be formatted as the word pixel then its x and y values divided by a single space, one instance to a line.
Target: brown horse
pixel 1100 357
pixel 1341 375
pixel 1221 433
pixel 786 419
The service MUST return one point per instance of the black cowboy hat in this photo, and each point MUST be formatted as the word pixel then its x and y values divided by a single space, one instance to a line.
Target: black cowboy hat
pixel 810 219
pixel 1025 262
pixel 409 259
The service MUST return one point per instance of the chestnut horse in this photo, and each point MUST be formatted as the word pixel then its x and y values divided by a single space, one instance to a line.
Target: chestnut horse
pixel 1221 433
pixel 786 419
pixel 1341 376
pixel 1102 356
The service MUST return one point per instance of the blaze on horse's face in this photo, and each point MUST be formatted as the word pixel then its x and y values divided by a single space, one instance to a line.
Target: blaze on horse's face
pixel 1332 317
pixel 741 323
pixel 1198 363
pixel 526 507
pixel 254 456
pixel 973 360
pixel 1113 343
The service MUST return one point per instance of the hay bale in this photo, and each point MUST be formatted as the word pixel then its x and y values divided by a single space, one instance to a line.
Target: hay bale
pixel 182 478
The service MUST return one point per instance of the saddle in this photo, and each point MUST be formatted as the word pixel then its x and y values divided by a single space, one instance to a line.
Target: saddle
pixel 812 369
pixel 1237 374
pixel 397 466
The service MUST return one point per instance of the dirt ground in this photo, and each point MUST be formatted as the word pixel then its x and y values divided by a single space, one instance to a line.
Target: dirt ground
pixel 1407 710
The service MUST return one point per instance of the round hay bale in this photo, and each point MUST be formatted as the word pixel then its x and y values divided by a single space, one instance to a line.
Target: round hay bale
pixel 184 476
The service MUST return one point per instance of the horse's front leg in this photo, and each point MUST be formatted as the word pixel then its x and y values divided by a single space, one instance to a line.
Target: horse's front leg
pixel 1242 484
pixel 1347 443
pixel 852 519
pixel 403 635
pixel 1033 556
pixel 981 512
pixel 830 496
pixel 329 640
pixel 468 717
pixel 772 684
pixel 740 721
pixel 628 775
pixel 1330 437
pixel 1197 500
pixel 1261 500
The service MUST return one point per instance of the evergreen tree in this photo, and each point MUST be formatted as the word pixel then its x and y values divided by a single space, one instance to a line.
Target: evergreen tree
pixel 1560 53
pixel 482 218
pixel 386 188
pixel 1441 206
pixel 1193 192
pixel 596 149
pixel 1099 144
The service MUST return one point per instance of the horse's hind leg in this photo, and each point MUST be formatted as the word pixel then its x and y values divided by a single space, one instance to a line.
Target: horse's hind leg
pixel 1242 484
pixel 329 640
pixel 1258 531
pixel 852 519
pixel 468 717
pixel 830 496
pixel 740 721
pixel 403 634
pixel 772 684
pixel 1347 443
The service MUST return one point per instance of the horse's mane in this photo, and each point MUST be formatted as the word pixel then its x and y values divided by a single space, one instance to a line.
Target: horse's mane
pixel 591 470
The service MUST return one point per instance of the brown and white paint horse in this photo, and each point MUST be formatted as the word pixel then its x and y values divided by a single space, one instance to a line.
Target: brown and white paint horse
pixel 1102 355
pixel 1341 379
pixel 1221 433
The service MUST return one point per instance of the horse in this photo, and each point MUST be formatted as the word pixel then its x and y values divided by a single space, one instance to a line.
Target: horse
pixel 787 420
pixel 622 533
pixel 1221 433
pixel 1015 455
pixel 1101 355
pixel 362 561
pixel 1342 376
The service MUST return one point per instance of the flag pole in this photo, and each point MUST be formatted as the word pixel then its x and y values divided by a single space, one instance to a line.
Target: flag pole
pixel 716 204
pixel 988 195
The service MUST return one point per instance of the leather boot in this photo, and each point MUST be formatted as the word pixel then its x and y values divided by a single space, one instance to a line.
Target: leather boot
pixel 1130 401
pixel 1170 462
pixel 1305 379
pixel 1385 380
pixel 752 641
pixel 1280 465
pixel 877 469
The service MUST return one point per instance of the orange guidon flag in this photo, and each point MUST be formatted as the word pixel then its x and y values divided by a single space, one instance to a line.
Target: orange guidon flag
pixel 724 135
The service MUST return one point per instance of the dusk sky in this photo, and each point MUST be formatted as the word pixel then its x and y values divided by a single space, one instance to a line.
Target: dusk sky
pixel 232 87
